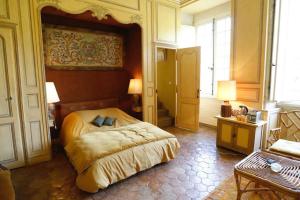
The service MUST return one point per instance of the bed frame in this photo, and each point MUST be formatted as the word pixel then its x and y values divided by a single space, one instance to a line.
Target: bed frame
pixel 63 109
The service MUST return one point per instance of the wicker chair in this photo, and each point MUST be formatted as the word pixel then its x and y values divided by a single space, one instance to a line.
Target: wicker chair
pixel 286 138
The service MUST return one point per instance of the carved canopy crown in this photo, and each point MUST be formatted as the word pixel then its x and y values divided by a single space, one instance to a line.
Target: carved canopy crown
pixel 98 11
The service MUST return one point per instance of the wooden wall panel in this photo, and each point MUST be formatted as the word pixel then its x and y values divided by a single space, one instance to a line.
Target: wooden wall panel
pixel 247 40
pixel 37 144
pixel 150 112
pixel 8 10
pixel 33 101
pixel 247 94
pixel 7 143
pixel 76 86
pixel 248 49
pixel 36 138
pixel 166 23
pixel 4 10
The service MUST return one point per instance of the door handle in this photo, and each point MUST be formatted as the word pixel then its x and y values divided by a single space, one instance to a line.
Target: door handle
pixel 198 93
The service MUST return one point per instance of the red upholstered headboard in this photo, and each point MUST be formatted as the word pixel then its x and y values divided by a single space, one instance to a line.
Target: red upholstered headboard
pixel 63 109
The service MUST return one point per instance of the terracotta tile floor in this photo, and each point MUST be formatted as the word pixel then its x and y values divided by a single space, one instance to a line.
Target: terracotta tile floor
pixel 196 171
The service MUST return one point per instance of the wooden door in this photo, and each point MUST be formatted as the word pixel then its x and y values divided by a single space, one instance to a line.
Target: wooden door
pixel 188 84
pixel 11 148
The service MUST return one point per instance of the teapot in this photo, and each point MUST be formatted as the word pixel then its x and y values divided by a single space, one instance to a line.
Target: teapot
pixel 243 110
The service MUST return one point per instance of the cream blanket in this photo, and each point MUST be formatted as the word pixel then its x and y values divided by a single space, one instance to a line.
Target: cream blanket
pixel 103 158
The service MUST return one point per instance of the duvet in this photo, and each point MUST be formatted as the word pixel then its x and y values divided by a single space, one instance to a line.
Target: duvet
pixel 104 157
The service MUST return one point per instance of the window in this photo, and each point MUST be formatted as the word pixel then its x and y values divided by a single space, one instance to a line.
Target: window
pixel 214 39
pixel 285 74
pixel 187 36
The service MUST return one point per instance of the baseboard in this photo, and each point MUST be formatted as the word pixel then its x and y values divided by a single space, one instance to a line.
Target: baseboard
pixel 39 159
pixel 207 125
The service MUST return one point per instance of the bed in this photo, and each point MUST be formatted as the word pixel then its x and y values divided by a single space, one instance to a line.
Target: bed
pixel 105 155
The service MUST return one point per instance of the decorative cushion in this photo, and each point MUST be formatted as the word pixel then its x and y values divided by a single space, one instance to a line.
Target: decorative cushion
pixel 287 147
pixel 109 121
pixel 6 187
pixel 98 121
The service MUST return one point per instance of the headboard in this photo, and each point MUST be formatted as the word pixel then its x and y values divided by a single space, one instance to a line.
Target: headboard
pixel 63 109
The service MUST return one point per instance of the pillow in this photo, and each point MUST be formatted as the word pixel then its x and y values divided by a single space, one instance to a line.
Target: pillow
pixel 98 121
pixel 109 121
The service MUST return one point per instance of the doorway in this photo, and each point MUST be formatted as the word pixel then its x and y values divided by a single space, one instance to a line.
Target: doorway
pixel 177 87
pixel 166 87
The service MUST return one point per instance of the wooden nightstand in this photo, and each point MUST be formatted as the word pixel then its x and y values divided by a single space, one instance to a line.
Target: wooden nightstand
pixel 137 115
pixel 239 136
pixel 54 134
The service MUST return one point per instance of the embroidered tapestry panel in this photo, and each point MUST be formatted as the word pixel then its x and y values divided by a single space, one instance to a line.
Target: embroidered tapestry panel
pixel 67 48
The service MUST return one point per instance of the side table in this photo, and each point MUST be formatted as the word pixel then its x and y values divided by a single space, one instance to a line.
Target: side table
pixel 243 137
pixel 255 169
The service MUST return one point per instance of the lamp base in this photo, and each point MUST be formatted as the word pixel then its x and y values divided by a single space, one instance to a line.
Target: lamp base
pixel 136 107
pixel 51 110
pixel 226 110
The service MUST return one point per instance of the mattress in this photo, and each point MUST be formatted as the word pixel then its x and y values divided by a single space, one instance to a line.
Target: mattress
pixel 103 156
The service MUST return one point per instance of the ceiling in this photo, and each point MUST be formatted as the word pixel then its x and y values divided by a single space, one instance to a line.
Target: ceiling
pixel 193 7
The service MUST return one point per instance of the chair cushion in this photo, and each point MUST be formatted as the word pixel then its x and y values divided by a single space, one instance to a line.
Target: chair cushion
pixel 287 147
pixel 6 188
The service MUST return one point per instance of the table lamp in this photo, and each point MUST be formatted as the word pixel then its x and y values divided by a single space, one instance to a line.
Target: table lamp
pixel 226 92
pixel 135 88
pixel 52 97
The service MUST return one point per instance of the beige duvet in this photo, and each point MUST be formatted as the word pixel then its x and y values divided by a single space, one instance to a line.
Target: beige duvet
pixel 106 156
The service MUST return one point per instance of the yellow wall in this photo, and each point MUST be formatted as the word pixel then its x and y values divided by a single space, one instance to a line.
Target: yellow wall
pixel 166 81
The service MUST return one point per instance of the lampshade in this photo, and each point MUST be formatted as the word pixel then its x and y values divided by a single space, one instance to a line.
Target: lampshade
pixel 226 90
pixel 135 86
pixel 52 95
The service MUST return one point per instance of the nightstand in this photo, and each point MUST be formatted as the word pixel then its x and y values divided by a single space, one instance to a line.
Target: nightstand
pixel 243 137
pixel 137 115
pixel 54 134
